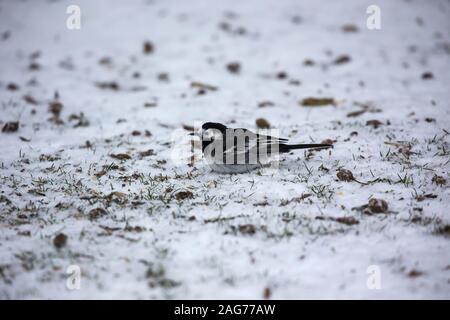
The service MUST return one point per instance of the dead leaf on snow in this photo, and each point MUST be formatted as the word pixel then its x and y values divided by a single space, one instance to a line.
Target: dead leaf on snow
pixel 376 206
pixel 350 28
pixel 182 195
pixel 234 67
pixel 60 240
pixel 11 126
pixel 317 102
pixel 204 86
pixel 267 293
pixel 29 99
pixel 146 153
pixel 266 103
pixel 342 59
pixel 374 123
pixel 148 47
pixel 345 175
pixel 347 220
pixel 247 229
pixel 439 180
pixel 414 273
pixel 262 123
pixel 96 213
pixel 108 85
pixel 120 156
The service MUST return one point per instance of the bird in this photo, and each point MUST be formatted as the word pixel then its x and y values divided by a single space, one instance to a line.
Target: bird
pixel 239 150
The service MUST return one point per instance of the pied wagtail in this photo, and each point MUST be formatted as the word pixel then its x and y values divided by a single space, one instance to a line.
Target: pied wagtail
pixel 238 150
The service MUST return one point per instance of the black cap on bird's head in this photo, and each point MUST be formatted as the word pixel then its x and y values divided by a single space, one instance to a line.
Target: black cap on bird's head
pixel 214 125
pixel 210 125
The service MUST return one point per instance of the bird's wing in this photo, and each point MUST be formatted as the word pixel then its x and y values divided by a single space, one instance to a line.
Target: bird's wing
pixel 243 145
pixel 251 151
pixel 258 137
pixel 245 142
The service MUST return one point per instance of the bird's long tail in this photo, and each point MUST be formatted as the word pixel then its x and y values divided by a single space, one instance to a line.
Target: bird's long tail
pixel 289 147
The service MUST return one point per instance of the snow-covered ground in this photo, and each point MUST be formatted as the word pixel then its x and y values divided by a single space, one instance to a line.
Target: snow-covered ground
pixel 79 185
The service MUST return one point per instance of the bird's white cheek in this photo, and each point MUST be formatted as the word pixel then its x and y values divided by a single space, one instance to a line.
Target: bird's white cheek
pixel 207 135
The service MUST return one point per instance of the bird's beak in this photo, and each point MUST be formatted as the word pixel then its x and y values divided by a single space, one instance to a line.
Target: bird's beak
pixel 195 133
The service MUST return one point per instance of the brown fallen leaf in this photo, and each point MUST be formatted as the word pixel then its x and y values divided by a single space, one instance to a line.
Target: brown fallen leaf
pixel 347 220
pixel 317 102
pixel 266 103
pixel 200 85
pixel 247 229
pixel 148 47
pixel 376 206
pixel 146 153
pixel 120 156
pixel 439 180
pixel 262 123
pixel 29 99
pixel 234 67
pixel 267 293
pixel 414 273
pixel 108 85
pixel 350 28
pixel 60 240
pixel 11 126
pixel 342 59
pixel 374 123
pixel 96 213
pixel 182 195
pixel 345 175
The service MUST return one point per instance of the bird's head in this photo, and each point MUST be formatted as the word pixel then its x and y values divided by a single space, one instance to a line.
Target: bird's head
pixel 209 131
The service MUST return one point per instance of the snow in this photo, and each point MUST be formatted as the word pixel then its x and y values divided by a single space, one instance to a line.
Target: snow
pixel 238 236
